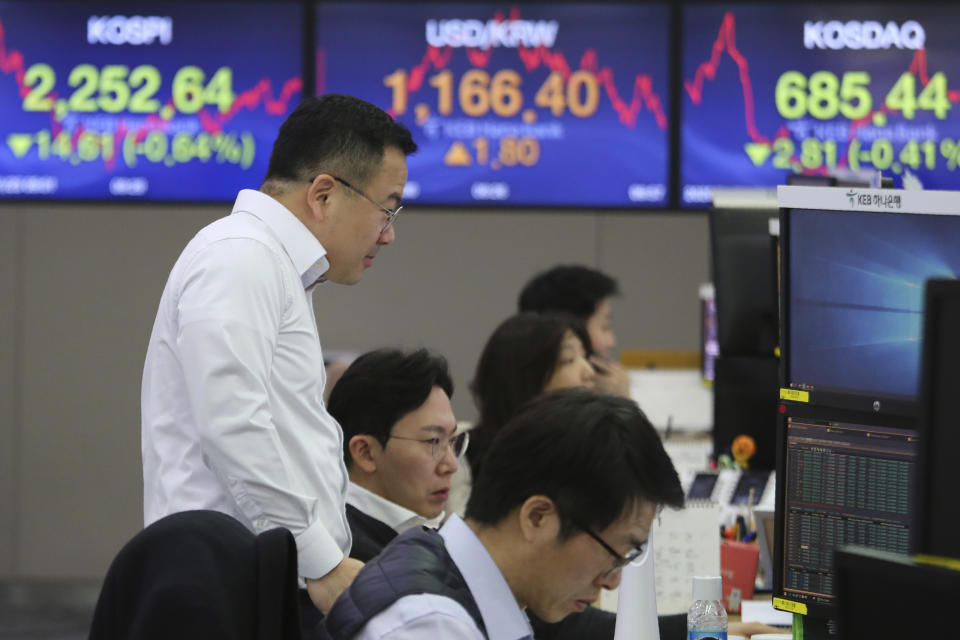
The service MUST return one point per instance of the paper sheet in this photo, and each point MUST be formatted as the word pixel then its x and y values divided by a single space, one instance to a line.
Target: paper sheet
pixel 688 545
pixel 763 611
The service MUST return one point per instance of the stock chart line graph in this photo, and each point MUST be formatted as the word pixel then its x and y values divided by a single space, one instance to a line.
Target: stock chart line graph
pixel 755 107
pixel 726 42
pixel 212 121
pixel 533 58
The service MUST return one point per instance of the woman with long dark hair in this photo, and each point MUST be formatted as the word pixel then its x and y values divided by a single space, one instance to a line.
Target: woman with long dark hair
pixel 528 354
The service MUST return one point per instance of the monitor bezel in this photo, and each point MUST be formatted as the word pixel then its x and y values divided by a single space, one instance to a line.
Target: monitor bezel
pixel 869 403
pixel 847 200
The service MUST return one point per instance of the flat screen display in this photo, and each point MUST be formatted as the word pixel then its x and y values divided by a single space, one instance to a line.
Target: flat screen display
pixel 702 486
pixel 770 91
pixel 516 104
pixel 750 487
pixel 844 484
pixel 145 101
pixel 856 296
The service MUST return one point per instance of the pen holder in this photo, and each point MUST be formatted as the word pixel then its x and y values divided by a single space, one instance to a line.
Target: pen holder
pixel 738 568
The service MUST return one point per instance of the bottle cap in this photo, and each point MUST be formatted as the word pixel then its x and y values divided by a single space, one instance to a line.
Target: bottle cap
pixel 707 588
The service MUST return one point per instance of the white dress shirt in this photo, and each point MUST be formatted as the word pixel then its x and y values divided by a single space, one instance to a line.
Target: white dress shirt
pixel 389 513
pixel 232 399
pixel 431 616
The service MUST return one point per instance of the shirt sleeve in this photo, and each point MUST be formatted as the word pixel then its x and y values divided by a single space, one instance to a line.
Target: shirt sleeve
pixel 421 616
pixel 231 307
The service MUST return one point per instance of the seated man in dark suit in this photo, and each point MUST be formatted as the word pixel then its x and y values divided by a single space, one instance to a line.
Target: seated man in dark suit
pixel 400 443
pixel 568 496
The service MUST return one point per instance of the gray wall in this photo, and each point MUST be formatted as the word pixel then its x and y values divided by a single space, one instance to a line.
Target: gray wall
pixel 80 285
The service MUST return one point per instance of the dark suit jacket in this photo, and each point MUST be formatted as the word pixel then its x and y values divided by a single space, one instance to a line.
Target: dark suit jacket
pixel 370 536
pixel 200 575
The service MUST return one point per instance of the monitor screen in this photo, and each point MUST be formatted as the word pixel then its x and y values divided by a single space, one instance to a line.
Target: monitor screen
pixel 842 483
pixel 515 104
pixel 750 487
pixel 170 101
pixel 702 486
pixel 803 88
pixel 854 297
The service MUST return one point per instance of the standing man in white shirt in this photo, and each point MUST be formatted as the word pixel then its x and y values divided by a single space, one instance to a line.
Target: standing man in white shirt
pixel 564 501
pixel 233 417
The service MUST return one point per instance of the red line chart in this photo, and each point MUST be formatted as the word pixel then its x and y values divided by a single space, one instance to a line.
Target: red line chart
pixel 726 42
pixel 438 58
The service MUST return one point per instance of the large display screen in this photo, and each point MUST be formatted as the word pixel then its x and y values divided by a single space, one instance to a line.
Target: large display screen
pixel 143 101
pixel 538 104
pixel 812 89
pixel 856 283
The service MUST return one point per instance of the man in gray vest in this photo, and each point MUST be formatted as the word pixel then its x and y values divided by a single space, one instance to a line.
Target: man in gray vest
pixel 567 497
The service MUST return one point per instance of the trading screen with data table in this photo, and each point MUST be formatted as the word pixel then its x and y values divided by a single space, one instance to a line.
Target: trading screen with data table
pixel 845 484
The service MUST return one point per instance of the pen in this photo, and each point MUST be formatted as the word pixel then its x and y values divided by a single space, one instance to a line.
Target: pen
pixel 741 528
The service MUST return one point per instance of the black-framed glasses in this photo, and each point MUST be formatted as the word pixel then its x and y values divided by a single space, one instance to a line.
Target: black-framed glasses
pixel 440 446
pixel 621 561
pixel 391 214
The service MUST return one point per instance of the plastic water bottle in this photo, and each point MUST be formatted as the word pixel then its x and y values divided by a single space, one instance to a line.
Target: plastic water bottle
pixel 707 619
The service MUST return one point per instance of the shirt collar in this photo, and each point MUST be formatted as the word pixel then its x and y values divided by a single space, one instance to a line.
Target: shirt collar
pixel 498 606
pixel 308 255
pixel 390 513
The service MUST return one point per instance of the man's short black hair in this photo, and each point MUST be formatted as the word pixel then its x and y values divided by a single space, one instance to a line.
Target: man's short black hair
pixel 594 455
pixel 381 387
pixel 515 365
pixel 572 289
pixel 337 134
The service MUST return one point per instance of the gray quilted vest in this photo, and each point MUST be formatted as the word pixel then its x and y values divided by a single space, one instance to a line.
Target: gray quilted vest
pixel 415 562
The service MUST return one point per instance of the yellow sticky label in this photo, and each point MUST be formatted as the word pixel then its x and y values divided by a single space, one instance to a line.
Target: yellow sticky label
pixel 794 395
pixel 790 605
pixel 939 561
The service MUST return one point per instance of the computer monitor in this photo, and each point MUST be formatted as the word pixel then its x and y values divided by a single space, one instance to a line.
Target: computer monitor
pixel 937 510
pixel 839 482
pixel 854 263
pixel 745 403
pixel 881 595
pixel 744 281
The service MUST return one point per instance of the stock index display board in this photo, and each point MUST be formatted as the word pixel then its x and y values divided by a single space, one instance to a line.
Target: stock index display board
pixel 145 101
pixel 549 105
pixel 813 89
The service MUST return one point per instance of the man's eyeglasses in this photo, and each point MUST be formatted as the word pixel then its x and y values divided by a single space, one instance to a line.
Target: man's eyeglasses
pixel 621 561
pixel 391 214
pixel 440 446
